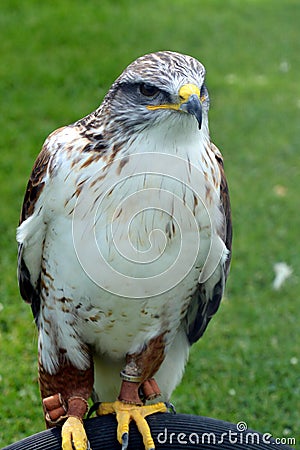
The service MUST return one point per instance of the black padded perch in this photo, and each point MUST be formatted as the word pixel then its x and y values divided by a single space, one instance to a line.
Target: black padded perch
pixel 169 431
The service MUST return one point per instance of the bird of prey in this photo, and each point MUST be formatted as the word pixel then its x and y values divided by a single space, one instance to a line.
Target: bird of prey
pixel 124 247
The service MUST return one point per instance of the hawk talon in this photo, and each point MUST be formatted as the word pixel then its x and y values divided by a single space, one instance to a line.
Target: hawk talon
pixel 73 435
pixel 125 440
pixel 171 408
pixel 125 413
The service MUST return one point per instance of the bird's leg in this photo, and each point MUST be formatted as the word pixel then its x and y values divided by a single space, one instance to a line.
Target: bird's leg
pixel 136 377
pixel 129 392
pixel 136 392
pixel 65 396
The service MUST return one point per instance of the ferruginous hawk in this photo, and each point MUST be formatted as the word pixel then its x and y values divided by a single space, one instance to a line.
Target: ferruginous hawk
pixel 124 246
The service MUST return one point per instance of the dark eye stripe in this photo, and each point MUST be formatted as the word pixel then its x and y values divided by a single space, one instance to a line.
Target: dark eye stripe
pixel 148 90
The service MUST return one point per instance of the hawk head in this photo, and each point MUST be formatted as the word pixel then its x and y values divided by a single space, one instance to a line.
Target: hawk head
pixel 156 87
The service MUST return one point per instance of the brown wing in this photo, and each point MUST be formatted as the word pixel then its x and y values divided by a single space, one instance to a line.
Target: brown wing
pixel 29 290
pixel 35 184
pixel 203 306
pixel 225 202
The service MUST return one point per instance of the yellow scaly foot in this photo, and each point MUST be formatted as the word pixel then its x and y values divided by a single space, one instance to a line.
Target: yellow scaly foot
pixel 125 413
pixel 73 435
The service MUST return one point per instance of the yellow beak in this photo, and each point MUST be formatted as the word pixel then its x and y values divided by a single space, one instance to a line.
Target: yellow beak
pixel 190 102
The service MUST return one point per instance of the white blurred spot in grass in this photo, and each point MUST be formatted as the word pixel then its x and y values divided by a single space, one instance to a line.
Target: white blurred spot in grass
pixel 282 272
pixel 279 190
pixel 284 66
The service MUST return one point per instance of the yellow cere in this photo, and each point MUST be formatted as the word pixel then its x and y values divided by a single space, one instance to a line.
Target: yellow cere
pixel 184 93
pixel 187 90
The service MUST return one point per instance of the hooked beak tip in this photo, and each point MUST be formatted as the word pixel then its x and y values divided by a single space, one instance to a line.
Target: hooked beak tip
pixel 194 107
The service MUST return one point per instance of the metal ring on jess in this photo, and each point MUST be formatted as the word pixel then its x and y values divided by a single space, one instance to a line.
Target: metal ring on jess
pixel 131 378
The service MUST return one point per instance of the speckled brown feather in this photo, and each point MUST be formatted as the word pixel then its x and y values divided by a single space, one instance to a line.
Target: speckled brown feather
pixel 69 382
pixel 203 308
pixel 225 202
pixel 35 184
pixel 33 191
pixel 145 364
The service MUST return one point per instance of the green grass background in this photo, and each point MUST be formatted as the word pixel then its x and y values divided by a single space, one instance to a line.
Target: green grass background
pixel 58 58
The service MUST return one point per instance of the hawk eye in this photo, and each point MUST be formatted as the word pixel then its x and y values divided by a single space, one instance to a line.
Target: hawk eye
pixel 148 90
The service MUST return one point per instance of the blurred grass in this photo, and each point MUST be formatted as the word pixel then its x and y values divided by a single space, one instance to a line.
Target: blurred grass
pixel 58 59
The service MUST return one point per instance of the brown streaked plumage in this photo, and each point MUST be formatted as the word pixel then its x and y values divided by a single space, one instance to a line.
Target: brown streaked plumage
pixel 125 244
pixel 35 184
